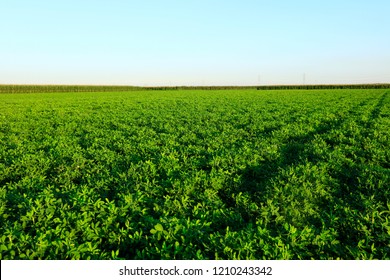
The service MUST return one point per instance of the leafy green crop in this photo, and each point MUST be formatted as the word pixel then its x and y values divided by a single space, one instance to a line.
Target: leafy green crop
pixel 232 174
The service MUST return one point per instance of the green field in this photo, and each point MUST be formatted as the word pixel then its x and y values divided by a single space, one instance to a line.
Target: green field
pixel 195 174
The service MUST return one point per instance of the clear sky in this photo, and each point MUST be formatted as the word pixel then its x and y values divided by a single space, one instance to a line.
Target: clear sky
pixel 194 42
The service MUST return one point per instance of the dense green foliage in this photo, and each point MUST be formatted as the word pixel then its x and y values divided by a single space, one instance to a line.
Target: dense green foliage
pixel 240 174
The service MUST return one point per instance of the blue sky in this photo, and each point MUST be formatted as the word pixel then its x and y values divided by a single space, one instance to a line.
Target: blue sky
pixel 194 42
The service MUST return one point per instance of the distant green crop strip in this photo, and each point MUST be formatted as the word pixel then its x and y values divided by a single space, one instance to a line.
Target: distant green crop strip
pixel 195 174
pixel 62 88
pixel 108 88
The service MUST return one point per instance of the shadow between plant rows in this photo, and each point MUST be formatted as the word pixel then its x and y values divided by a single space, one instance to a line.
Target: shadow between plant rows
pixel 377 109
pixel 257 180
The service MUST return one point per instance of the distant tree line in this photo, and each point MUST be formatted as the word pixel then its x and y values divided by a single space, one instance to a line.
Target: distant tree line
pixel 346 86
pixel 275 87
